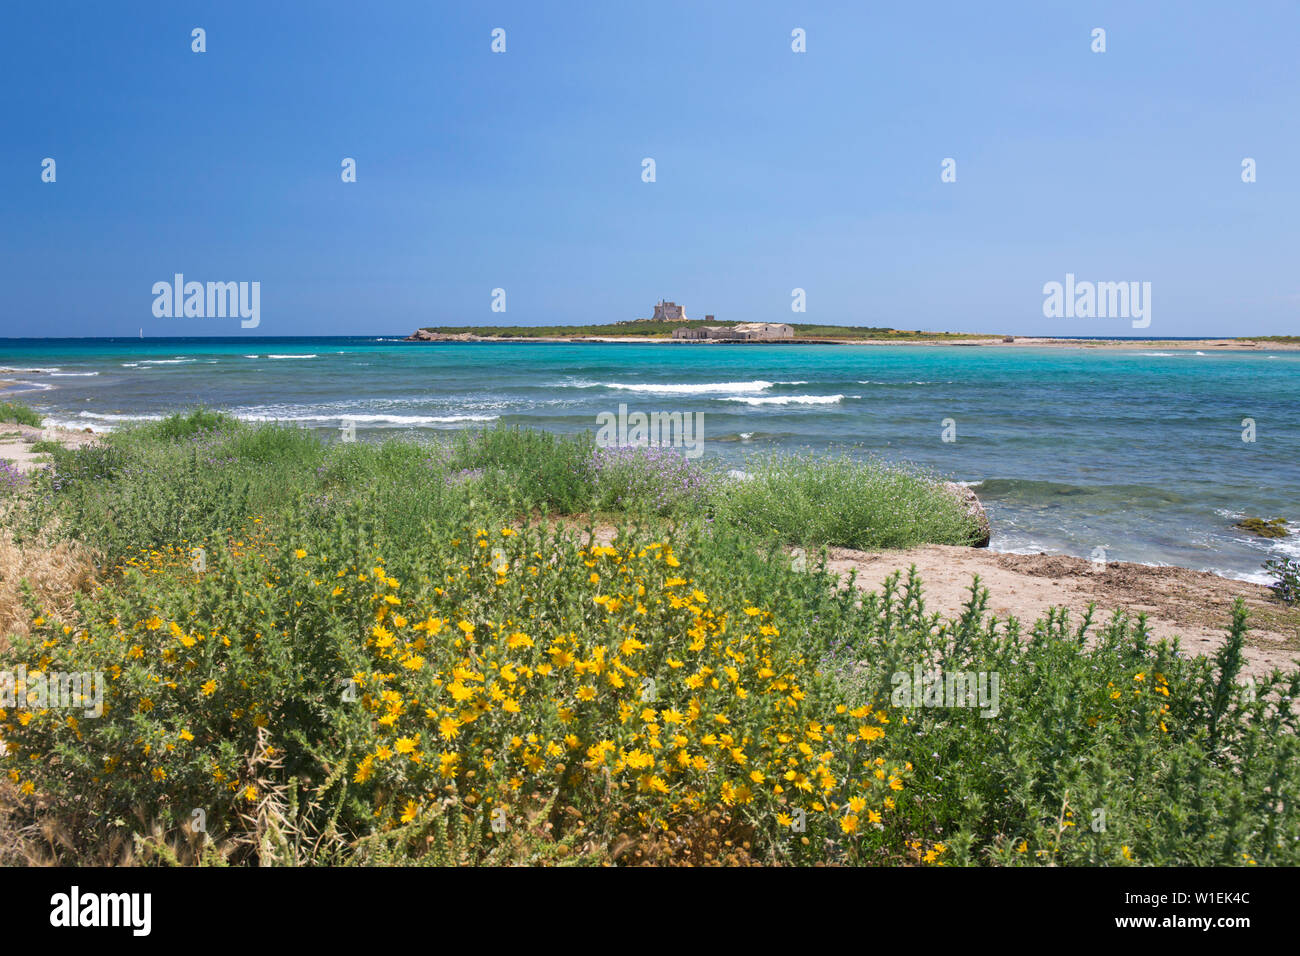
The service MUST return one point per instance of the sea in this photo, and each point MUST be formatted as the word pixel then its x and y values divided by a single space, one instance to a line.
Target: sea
pixel 1134 454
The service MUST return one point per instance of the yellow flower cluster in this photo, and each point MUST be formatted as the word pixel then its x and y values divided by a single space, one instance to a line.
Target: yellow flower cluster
pixel 643 688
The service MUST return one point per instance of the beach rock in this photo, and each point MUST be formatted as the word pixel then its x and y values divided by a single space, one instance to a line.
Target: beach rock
pixel 974 510
pixel 1276 528
pixel 425 335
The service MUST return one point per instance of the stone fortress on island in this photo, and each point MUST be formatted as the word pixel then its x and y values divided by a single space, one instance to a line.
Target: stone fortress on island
pixel 670 312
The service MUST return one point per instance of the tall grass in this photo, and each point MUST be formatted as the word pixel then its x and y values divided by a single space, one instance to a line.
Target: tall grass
pixel 17 413
pixel 814 500
pixel 201 474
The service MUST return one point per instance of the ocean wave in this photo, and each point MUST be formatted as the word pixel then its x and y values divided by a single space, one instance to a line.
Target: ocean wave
pixel 1251 577
pixel 1027 548
pixel 72 374
pixel 693 388
pixel 368 419
pixel 1288 546
pixel 1158 354
pixel 786 399
pixel 30 371
pixel 111 417
pixel 311 355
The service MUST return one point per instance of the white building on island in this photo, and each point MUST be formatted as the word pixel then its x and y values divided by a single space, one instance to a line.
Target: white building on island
pixel 741 332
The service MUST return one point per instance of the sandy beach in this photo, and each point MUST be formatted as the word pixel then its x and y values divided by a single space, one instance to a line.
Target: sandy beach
pixel 16 443
pixel 1193 605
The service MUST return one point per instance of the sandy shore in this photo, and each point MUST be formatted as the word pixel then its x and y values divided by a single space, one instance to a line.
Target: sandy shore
pixel 1193 605
pixel 16 443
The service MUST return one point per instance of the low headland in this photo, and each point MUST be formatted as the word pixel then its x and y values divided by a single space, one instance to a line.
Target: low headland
pixel 512 646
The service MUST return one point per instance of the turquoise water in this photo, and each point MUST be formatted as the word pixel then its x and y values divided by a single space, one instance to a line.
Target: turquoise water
pixel 1139 453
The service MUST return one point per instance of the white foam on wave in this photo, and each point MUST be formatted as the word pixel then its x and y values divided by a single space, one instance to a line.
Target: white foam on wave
pixel 72 374
pixel 368 419
pixel 1028 548
pixel 311 355
pixel 694 388
pixel 1158 354
pixel 1288 546
pixel 148 362
pixel 1252 577
pixel 104 421
pixel 110 417
pixel 30 371
pixel 786 399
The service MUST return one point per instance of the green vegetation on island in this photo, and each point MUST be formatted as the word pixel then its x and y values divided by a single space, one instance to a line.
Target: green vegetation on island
pixel 650 328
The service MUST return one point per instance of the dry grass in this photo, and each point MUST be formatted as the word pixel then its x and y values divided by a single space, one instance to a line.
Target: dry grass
pixel 55 573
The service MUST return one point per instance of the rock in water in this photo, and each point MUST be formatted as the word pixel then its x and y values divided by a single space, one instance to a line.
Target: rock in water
pixel 1264 527
pixel 974 510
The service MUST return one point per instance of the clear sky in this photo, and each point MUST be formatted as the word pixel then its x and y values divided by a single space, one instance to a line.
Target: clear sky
pixel 774 170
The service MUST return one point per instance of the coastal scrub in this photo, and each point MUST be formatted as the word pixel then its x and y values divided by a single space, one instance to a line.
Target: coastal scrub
pixel 838 501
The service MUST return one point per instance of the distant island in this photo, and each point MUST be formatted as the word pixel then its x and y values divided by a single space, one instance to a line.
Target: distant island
pixel 705 332
pixel 669 322
pixel 690 330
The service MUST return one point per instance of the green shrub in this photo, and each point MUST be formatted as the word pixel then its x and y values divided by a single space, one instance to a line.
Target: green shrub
pixel 841 502
pixel 648 480
pixel 487 675
pixel 1286 578
pixel 183 425
pixel 19 414
pixel 527 468
pixel 1104 749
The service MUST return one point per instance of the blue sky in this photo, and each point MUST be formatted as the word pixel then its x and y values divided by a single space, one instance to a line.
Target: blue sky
pixel 774 170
